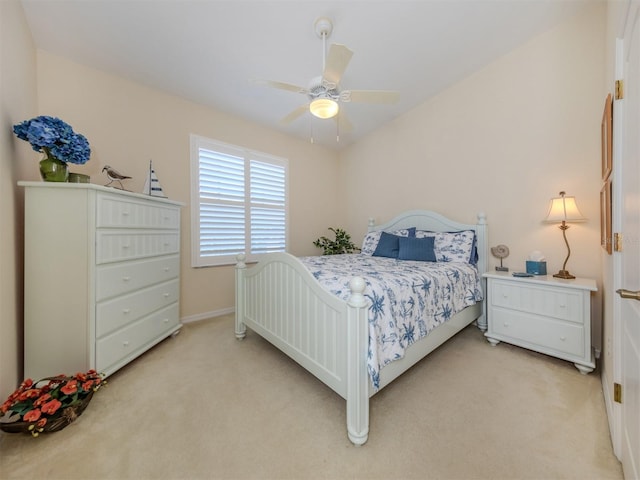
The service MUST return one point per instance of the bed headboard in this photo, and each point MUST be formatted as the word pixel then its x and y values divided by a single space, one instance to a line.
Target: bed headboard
pixel 435 222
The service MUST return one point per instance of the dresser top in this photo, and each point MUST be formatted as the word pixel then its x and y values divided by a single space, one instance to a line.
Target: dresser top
pixel 99 188
pixel 549 280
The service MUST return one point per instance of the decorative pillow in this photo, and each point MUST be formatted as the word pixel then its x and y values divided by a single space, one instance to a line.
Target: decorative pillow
pixel 421 249
pixel 453 246
pixel 425 234
pixel 371 239
pixel 388 246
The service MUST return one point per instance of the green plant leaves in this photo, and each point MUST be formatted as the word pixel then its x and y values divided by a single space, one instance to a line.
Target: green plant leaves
pixel 341 244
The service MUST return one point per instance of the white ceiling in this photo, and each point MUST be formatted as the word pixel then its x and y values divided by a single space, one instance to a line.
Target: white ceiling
pixel 209 50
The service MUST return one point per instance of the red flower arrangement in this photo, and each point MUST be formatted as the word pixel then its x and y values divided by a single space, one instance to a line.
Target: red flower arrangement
pixel 60 398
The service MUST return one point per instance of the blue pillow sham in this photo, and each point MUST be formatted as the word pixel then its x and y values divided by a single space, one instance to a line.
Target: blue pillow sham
pixel 371 239
pixel 388 246
pixel 419 249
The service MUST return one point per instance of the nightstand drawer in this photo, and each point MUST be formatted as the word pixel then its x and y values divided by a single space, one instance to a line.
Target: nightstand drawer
pixel 539 333
pixel 563 304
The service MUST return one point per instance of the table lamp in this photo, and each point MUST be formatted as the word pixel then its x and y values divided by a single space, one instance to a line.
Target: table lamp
pixel 563 209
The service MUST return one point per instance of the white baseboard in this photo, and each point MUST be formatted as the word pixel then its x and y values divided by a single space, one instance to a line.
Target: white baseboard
pixel 204 316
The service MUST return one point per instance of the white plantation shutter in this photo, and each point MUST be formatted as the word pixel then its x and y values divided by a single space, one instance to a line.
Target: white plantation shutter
pixel 267 184
pixel 239 203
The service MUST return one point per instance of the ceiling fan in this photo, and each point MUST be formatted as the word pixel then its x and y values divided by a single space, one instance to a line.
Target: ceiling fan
pixel 324 93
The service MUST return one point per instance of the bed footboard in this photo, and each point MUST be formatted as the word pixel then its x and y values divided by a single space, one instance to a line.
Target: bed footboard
pixel 281 301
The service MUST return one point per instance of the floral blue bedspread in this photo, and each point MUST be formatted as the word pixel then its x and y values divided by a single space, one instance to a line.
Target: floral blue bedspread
pixel 407 299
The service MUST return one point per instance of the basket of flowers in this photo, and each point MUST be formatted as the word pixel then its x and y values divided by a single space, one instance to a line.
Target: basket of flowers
pixel 50 404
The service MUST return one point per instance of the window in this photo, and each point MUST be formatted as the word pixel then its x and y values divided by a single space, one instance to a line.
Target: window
pixel 238 203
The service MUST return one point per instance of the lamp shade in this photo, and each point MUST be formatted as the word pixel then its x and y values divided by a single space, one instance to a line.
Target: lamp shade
pixel 565 209
pixel 324 108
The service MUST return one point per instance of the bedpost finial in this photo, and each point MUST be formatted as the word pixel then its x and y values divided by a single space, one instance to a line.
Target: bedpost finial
pixel 372 221
pixel 482 218
pixel 357 287
pixel 240 258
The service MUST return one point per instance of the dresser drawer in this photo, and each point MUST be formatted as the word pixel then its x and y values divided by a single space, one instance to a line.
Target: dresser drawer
pixel 116 212
pixel 116 246
pixel 116 279
pixel 563 304
pixel 538 333
pixel 128 342
pixel 115 313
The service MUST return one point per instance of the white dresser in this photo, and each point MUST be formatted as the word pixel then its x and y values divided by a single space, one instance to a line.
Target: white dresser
pixel 542 313
pixel 101 276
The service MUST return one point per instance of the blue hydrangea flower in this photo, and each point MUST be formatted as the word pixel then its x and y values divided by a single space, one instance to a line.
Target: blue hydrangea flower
pixel 54 137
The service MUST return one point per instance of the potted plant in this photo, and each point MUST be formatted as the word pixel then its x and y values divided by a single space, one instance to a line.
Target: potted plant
pixel 59 143
pixel 341 244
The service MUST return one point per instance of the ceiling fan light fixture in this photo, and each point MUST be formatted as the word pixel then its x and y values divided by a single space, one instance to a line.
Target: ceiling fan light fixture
pixel 324 108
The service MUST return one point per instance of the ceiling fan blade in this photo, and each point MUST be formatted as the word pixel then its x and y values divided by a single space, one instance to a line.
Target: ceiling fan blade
pixel 295 114
pixel 344 125
pixel 337 60
pixel 373 96
pixel 280 85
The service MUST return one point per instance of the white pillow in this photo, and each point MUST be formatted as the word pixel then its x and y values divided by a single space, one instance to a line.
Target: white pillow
pixel 452 246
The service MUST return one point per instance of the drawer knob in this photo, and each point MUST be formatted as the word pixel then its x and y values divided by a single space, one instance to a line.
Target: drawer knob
pixel 125 343
pixel 506 324
pixel 563 338
pixel 125 246
pixel 166 269
pixel 126 279
pixel 165 295
pixel 126 311
pixel 166 320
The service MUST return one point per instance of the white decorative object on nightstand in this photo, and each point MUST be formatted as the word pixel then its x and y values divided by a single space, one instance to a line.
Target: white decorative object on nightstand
pixel 101 276
pixel 544 314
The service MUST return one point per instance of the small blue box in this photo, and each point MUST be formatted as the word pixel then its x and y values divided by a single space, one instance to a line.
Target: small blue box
pixel 536 268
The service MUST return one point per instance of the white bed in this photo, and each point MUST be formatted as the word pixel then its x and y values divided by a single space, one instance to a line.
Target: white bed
pixel 280 299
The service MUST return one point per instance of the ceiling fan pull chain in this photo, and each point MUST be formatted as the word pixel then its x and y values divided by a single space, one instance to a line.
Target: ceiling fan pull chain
pixel 324 51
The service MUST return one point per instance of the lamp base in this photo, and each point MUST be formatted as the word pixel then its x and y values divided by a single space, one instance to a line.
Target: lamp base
pixel 564 274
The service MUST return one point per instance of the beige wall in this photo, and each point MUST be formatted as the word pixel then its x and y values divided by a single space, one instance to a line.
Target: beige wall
pixel 128 124
pixel 504 141
pixel 17 102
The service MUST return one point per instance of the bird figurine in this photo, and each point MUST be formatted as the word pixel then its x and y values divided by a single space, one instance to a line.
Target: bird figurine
pixel 114 176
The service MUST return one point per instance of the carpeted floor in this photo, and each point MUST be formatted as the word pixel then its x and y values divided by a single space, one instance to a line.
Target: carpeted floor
pixel 203 405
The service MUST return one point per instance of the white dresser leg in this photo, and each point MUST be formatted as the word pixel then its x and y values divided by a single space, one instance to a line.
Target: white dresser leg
pixel 583 369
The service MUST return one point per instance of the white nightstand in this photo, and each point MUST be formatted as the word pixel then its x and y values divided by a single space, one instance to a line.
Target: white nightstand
pixel 542 313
